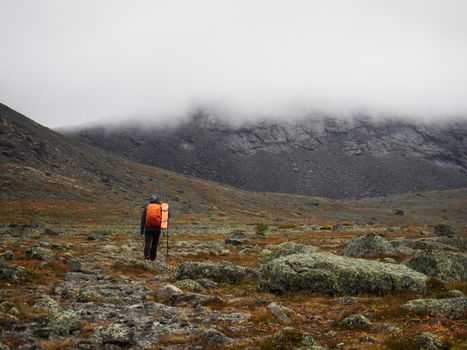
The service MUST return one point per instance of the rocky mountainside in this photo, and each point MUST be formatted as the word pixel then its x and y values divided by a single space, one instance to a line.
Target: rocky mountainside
pixel 37 163
pixel 321 156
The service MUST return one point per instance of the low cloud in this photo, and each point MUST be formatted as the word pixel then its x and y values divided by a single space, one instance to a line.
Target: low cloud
pixel 77 62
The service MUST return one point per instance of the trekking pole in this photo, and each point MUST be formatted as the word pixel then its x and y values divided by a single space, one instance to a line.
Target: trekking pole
pixel 167 254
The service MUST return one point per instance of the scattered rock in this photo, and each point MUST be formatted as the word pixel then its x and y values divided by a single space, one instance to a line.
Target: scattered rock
pixel 330 334
pixel 292 338
pixel 195 299
pixel 213 336
pixel 168 291
pixel 443 229
pixel 222 272
pixel 287 248
pixel 190 285
pixel 355 321
pixel 449 307
pixel 454 293
pixel 118 334
pixel 399 212
pixel 430 341
pixel 207 283
pixel 237 238
pixel 74 265
pixel 86 295
pixel 367 338
pixel 332 274
pixel 12 272
pixel 370 245
pixel 48 302
pixel 3 346
pixel 39 253
pixel 147 265
pixel 64 322
pixel 389 328
pixel 224 252
pixel 447 266
pixel 7 255
pixel 282 313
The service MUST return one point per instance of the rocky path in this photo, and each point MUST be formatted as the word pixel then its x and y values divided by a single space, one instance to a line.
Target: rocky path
pixel 233 291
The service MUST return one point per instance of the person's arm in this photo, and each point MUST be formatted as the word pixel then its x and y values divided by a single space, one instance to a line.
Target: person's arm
pixel 143 221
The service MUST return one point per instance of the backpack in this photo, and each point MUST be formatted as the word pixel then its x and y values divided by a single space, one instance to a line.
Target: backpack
pixel 153 215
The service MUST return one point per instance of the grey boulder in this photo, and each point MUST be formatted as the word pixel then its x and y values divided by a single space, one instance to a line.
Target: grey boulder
pixel 447 266
pixel 449 307
pixel 222 272
pixel 337 275
pixel 370 245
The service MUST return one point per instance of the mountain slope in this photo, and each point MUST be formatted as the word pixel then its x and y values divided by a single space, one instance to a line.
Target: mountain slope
pixel 39 166
pixel 316 156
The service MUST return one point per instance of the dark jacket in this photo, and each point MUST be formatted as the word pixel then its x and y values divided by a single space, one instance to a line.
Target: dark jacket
pixel 143 223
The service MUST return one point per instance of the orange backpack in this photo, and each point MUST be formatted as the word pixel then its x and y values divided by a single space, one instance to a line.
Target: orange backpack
pixel 153 215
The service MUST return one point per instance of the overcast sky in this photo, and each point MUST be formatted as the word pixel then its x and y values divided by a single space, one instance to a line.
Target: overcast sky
pixel 72 62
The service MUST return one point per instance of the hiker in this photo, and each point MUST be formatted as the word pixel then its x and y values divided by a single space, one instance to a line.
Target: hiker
pixel 151 227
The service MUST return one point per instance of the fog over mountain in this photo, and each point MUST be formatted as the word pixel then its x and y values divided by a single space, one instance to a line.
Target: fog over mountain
pixel 77 62
pixel 317 155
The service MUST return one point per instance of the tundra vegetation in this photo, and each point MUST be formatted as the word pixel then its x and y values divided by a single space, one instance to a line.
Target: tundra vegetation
pixel 332 275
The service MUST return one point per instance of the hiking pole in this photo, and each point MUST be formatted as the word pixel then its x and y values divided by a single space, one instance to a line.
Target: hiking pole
pixel 167 253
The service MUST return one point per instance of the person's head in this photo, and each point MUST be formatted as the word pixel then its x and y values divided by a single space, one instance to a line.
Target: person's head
pixel 154 199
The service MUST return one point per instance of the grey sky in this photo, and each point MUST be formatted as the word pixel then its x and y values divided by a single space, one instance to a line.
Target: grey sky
pixel 71 62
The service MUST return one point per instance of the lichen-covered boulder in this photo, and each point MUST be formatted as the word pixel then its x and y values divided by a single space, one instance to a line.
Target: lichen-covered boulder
pixel 274 251
pixel 337 275
pixel 449 307
pixel 222 272
pixel 447 266
pixel 118 334
pixel 282 313
pixel 355 321
pixel 430 341
pixel 189 285
pixel 370 245
pixel 39 253
pixel 213 336
pixel 292 338
pixel 12 272
pixel 63 323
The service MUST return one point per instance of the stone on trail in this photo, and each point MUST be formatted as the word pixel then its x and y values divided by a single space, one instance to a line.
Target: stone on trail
pixel 371 245
pixel 449 307
pixel 447 266
pixel 337 275
pixel 222 272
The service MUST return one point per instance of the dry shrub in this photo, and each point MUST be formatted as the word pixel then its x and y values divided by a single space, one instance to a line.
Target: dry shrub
pixel 175 339
pixel 402 343
pixel 435 285
pixel 57 344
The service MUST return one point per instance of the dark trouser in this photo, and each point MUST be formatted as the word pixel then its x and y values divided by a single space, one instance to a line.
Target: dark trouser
pixel 151 239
